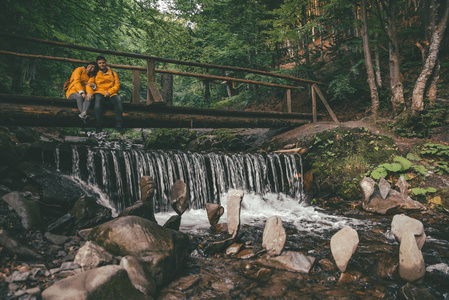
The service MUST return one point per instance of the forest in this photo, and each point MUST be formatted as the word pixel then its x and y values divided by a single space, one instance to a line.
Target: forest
pixel 385 56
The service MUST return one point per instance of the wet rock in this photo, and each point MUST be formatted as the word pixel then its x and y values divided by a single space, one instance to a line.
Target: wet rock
pixel 262 275
pixel 14 247
pixel 274 236
pixel 234 248
pixel 367 184
pixel 173 223
pixel 68 265
pixel 185 283
pixel 91 256
pixel 289 260
pixel 346 277
pixel 56 239
pixel 386 265
pixel 218 246
pixel 411 261
pixel 392 204
pixel 219 228
pixel 234 201
pixel 214 212
pixel 326 265
pixel 179 197
pixel 19 276
pixel 108 282
pixel 88 213
pixel 140 278
pixel 384 187
pixel 147 187
pixel 144 207
pixel 27 207
pixel 165 251
pixel 169 294
pixel 83 233
pixel 403 187
pixel 62 225
pixel 343 245
pixel 245 254
pixel 402 224
pixel 411 292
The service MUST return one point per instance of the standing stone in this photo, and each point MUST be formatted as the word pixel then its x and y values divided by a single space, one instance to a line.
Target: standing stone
pixel 343 245
pixel 214 212
pixel 403 187
pixel 384 188
pixel 147 186
pixel 144 207
pixel 91 256
pixel 179 197
pixel 274 236
pixel 235 198
pixel 367 184
pixel 173 223
pixel 402 224
pixel 26 206
pixel 411 261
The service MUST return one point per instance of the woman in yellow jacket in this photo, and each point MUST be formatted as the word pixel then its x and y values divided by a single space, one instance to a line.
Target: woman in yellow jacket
pixel 107 85
pixel 77 87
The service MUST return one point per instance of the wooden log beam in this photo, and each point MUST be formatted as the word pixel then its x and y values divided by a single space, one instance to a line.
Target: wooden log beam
pixel 16 110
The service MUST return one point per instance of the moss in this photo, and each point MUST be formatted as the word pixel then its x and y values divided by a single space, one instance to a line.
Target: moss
pixel 170 139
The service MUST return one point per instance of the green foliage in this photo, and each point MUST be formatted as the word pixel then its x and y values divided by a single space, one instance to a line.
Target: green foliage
pixel 397 168
pixel 421 191
pixel 170 139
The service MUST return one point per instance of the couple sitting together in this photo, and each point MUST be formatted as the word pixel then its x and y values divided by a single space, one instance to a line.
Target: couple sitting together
pixel 99 83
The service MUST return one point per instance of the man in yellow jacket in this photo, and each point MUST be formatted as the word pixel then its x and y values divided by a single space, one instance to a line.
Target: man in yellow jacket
pixel 107 85
pixel 77 87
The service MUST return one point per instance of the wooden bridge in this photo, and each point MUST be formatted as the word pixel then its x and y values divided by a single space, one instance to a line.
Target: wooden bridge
pixel 153 112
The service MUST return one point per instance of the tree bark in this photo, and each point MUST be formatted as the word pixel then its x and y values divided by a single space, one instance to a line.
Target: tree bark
pixel 368 61
pixel 377 62
pixel 428 69
pixel 167 88
pixel 397 90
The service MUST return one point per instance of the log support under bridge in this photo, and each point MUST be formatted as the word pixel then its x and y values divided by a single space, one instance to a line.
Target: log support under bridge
pixel 16 110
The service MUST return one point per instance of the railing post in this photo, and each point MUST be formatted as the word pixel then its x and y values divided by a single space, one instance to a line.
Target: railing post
pixel 136 87
pixel 289 100
pixel 314 104
pixel 153 94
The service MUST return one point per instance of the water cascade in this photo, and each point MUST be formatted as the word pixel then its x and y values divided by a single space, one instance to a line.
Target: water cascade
pixel 208 175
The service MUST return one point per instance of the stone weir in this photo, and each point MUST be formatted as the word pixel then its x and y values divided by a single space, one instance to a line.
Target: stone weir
pixel 116 173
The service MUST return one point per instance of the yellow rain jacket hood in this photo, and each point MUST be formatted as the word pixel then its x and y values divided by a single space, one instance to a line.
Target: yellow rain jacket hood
pixel 78 81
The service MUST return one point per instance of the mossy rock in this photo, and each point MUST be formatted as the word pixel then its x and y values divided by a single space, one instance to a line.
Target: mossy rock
pixel 170 139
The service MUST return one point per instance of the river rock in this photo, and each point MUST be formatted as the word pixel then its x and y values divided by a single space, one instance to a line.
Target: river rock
pixel 14 247
pixel 289 260
pixel 173 223
pixel 392 204
pixel 235 198
pixel 91 256
pixel 147 188
pixel 140 278
pixel 367 184
pixel 343 245
pixel 26 206
pixel 409 291
pixel 403 187
pixel 234 248
pixel 245 254
pixel 179 197
pixel 384 188
pixel 164 250
pixel 214 212
pixel 55 238
pixel 108 282
pixel 88 213
pixel 274 236
pixel 402 224
pixel 411 261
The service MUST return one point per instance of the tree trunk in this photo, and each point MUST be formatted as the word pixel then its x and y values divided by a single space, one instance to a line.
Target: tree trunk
pixel 167 88
pixel 428 69
pixel 397 90
pixel 368 61
pixel 377 61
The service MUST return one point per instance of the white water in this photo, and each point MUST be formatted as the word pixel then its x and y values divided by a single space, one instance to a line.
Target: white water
pixel 256 209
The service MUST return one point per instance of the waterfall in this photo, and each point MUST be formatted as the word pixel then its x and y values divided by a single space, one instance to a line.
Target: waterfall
pixel 208 175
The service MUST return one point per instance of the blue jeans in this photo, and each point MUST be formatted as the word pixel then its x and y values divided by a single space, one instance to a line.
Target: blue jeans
pixel 83 104
pixel 100 100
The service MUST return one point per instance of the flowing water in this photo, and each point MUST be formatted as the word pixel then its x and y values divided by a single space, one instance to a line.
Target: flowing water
pixel 273 186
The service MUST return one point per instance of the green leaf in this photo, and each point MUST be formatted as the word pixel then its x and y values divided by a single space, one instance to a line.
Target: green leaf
pixel 379 172
pixel 394 167
pixel 411 156
pixel 420 169
pixel 405 163
pixel 419 191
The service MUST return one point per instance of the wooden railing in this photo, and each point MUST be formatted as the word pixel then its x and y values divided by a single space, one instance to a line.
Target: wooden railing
pixel 153 94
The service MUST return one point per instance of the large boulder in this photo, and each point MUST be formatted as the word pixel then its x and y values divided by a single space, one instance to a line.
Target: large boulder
pixel 179 197
pixel 14 247
pixel 343 245
pixel 163 250
pixel 402 224
pixel 26 206
pixel 108 282
pixel 274 236
pixel 234 201
pixel 140 278
pixel 214 212
pixel 394 203
pixel 411 261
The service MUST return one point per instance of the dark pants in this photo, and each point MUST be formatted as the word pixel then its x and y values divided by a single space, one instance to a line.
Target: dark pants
pixel 83 104
pixel 100 100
